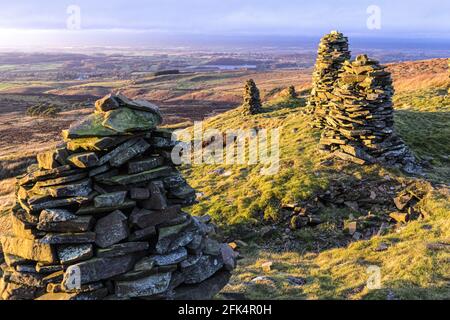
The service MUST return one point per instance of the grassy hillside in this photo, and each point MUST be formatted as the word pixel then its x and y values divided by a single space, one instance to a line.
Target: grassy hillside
pixel 423 120
pixel 415 265
pixel 241 193
pixel 311 262
pixel 234 194
pixel 324 262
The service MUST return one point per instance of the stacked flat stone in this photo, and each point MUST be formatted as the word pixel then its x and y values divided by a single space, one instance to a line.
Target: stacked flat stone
pixel 360 123
pixel 332 53
pixel 252 100
pixel 291 93
pixel 100 217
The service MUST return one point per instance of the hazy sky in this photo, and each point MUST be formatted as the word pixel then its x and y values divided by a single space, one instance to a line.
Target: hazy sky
pixel 32 20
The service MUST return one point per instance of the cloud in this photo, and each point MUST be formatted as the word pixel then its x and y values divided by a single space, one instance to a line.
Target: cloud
pixel 231 16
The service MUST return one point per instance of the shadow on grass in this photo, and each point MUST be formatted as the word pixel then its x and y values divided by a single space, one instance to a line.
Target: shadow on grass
pixel 428 135
pixel 283 281
pixel 10 168
pixel 408 290
pixel 288 103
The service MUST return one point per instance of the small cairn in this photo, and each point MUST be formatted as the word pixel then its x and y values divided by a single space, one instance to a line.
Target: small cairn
pixel 100 217
pixel 360 124
pixel 252 100
pixel 291 93
pixel 332 53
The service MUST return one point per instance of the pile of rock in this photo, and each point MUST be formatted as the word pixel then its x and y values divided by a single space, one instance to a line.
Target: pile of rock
pixel 332 53
pixel 252 100
pixel 291 93
pixel 100 217
pixel 375 205
pixel 408 202
pixel 359 126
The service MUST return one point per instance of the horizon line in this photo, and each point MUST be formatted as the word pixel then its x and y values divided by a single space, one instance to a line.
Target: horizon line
pixel 370 33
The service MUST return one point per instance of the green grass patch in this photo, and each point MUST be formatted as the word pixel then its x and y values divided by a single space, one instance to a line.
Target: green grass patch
pixel 423 121
pixel 408 269
pixel 15 164
pixel 43 110
pixel 430 100
pixel 241 194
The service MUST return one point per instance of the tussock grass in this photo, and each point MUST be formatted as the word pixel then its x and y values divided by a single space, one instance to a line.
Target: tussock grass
pixel 241 193
pixel 242 201
pixel 235 195
pixel 43 110
pixel 423 120
pixel 409 268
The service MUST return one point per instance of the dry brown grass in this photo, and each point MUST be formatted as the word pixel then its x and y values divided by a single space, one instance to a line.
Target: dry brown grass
pixel 418 75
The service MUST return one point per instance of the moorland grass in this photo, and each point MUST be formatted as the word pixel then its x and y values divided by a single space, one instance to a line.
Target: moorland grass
pixel 238 195
pixel 409 269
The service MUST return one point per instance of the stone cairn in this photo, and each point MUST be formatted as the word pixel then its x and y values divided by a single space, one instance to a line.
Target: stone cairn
pixel 332 53
pixel 360 124
pixel 291 93
pixel 252 100
pixel 100 217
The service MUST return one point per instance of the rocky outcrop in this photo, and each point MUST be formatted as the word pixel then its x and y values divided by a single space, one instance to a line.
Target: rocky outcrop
pixel 100 216
pixel 332 53
pixel 375 205
pixel 359 126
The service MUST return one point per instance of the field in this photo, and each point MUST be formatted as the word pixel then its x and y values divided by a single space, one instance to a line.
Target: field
pixel 321 262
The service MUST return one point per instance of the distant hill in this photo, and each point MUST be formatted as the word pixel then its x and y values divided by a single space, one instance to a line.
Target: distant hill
pixel 232 62
pixel 423 74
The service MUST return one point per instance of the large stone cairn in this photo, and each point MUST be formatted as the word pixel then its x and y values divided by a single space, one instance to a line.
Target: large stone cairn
pixel 100 217
pixel 252 100
pixel 332 53
pixel 360 123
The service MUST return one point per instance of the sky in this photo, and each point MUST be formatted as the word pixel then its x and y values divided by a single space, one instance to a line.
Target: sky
pixel 87 22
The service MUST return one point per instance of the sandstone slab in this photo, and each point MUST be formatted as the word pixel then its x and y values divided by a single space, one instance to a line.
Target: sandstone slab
pixel 138 177
pixel 68 238
pixel 83 160
pixel 122 249
pixel 28 249
pixel 96 269
pixel 61 220
pixel 74 253
pixel 147 286
pixel 202 270
pixel 111 229
pixel 113 199
pixel 124 120
pixel 145 164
